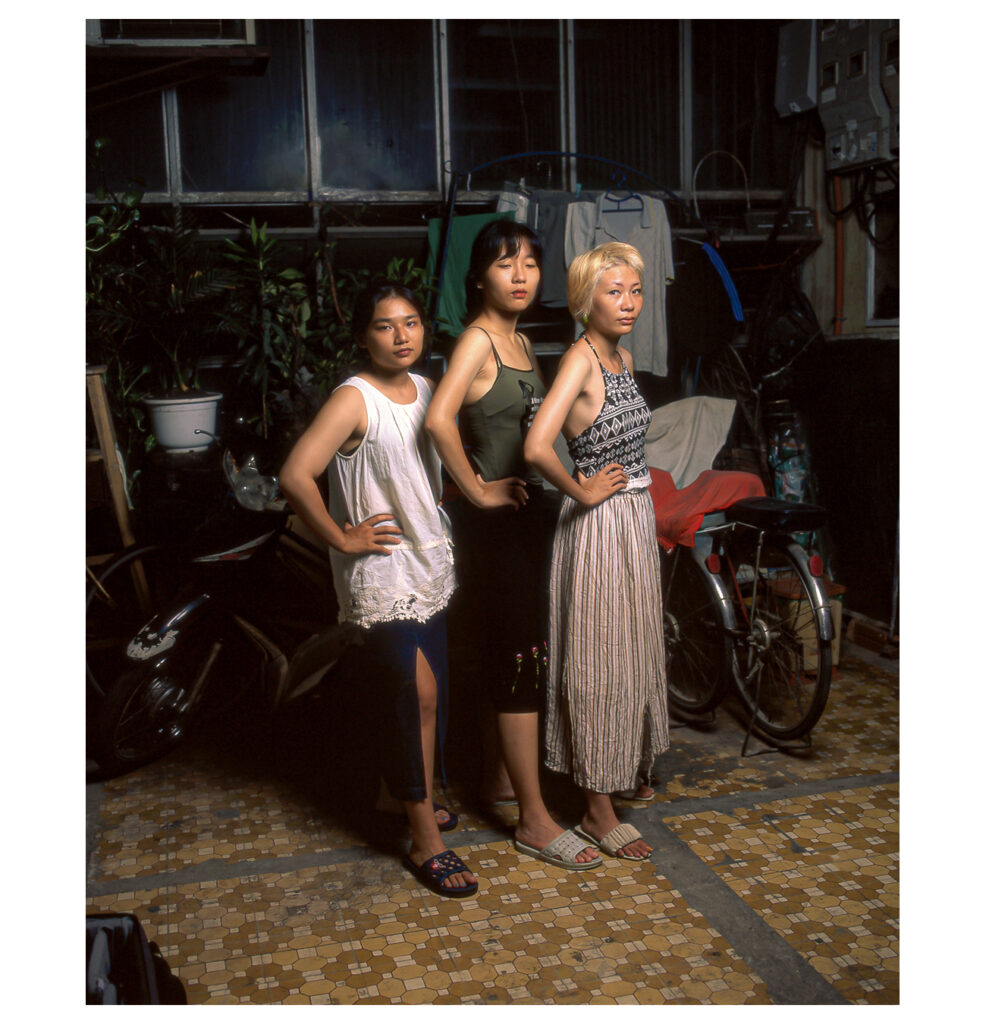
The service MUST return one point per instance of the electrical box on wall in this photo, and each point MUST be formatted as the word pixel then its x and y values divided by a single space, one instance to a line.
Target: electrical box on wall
pixel 852 104
pixel 796 86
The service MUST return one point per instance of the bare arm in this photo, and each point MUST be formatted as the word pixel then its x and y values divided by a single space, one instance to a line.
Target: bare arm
pixel 341 419
pixel 570 382
pixel 468 358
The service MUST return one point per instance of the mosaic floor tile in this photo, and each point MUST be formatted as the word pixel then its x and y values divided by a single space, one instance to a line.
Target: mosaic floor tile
pixel 258 892
pixel 823 872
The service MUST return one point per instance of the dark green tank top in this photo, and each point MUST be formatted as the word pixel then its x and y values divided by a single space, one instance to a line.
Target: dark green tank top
pixel 495 426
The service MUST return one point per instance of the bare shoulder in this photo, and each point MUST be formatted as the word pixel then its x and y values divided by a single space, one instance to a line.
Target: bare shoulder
pixel 471 359
pixel 472 338
pixel 345 401
pixel 577 359
pixel 348 391
pixel 574 374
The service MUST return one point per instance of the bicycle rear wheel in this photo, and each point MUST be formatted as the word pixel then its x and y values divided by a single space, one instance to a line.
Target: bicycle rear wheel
pixel 697 648
pixel 783 665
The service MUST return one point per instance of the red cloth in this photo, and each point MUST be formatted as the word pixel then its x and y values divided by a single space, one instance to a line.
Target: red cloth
pixel 680 513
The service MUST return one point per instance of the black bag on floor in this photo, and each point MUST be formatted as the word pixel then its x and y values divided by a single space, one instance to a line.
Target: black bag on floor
pixel 122 967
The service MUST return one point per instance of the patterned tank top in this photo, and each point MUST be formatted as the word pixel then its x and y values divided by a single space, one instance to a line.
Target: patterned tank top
pixel 617 433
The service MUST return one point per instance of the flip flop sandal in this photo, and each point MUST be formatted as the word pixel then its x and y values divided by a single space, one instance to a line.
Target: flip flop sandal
pixel 614 840
pixel 561 851
pixel 436 869
pixel 453 819
pixel 631 794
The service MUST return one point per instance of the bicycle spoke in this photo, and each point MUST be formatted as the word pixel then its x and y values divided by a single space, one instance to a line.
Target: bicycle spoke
pixel 782 649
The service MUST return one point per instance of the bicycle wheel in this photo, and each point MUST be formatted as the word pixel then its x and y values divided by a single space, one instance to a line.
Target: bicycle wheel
pixel 697 648
pixel 121 595
pixel 782 666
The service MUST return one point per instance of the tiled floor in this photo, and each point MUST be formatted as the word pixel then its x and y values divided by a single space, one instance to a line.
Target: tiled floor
pixel 774 877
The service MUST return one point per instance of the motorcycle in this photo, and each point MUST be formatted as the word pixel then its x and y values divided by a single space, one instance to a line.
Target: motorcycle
pixel 177 632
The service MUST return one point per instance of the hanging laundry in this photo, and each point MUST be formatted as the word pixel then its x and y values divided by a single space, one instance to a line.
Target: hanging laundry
pixel 550 224
pixel 514 199
pixel 647 229
pixel 451 309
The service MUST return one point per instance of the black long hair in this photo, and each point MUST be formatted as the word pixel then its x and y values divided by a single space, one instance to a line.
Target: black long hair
pixel 376 291
pixel 500 237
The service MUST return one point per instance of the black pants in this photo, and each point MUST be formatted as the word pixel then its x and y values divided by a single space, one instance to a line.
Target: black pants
pixel 503 562
pixel 388 663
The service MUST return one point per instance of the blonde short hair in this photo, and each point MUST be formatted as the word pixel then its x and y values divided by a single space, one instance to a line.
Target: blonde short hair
pixel 587 268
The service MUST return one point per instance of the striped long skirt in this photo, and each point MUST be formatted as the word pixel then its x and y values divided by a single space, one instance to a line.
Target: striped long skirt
pixel 606 715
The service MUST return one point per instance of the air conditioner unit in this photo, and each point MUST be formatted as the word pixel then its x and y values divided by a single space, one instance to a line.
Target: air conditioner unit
pixel 160 32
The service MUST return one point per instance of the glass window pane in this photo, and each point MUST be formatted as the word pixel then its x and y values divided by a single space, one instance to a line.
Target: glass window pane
pixel 626 99
pixel 172 28
pixel 734 68
pixel 134 129
pixel 248 133
pixel 883 263
pixel 376 104
pixel 504 98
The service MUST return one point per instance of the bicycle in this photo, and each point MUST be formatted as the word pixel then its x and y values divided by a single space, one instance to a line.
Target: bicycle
pixel 748 605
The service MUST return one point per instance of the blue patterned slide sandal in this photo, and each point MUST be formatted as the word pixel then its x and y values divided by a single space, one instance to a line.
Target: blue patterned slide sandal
pixel 436 869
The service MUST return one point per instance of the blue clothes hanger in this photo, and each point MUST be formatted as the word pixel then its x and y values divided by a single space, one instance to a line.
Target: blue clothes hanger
pixel 630 197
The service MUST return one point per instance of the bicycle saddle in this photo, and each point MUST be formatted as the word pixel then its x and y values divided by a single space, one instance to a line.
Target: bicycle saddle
pixel 775 515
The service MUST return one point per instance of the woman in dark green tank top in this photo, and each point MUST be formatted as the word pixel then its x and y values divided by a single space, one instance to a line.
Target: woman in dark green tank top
pixel 504 522
pixel 495 425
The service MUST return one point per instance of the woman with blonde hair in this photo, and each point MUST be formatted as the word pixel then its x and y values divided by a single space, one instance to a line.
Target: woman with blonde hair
pixel 606 712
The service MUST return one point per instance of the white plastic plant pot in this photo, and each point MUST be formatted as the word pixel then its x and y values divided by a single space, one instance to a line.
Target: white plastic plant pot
pixel 174 421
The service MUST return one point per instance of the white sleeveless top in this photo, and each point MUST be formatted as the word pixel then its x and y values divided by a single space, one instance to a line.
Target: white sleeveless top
pixel 394 469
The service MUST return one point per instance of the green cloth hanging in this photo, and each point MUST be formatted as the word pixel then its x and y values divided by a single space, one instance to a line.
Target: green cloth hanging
pixel 451 309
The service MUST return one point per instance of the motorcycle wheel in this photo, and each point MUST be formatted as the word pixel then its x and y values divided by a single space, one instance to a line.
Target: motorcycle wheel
pixel 116 608
pixel 150 709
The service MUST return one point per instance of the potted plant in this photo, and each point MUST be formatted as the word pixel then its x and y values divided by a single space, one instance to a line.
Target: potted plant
pixel 293 327
pixel 180 289
pixel 269 315
pixel 154 302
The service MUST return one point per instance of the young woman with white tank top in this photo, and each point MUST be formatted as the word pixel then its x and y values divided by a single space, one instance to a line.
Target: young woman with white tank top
pixel 391 554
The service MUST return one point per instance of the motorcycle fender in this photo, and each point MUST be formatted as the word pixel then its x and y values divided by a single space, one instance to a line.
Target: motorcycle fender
pixel 157 637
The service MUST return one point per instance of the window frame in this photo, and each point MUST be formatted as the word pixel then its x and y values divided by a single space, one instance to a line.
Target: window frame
pixel 176 195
